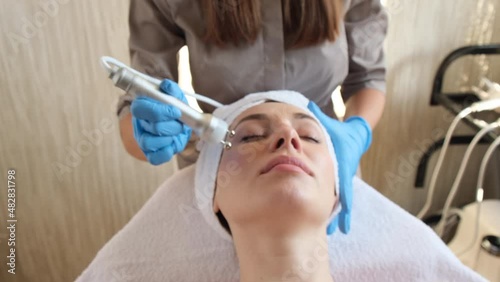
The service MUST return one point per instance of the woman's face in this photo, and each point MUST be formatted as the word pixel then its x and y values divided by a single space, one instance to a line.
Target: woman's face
pixel 278 173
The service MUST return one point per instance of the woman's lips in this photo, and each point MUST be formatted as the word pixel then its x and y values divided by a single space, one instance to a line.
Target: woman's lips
pixel 287 163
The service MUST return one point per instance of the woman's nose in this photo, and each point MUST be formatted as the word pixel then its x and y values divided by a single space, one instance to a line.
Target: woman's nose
pixel 287 138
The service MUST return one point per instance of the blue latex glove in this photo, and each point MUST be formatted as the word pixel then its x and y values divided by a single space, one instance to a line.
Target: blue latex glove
pixel 350 139
pixel 157 130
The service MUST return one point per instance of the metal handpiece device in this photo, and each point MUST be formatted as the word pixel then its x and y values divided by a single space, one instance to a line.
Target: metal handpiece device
pixel 206 126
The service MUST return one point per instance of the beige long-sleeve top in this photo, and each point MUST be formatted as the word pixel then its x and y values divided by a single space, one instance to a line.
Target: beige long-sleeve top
pixel 159 28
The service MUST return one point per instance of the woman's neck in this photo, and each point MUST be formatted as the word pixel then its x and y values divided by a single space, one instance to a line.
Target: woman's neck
pixel 295 257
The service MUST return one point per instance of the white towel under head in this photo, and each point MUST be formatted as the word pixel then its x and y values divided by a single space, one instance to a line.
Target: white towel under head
pixel 210 153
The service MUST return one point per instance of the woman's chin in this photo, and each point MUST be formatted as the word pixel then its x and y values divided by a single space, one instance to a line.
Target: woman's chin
pixel 292 200
pixel 289 194
pixel 286 178
pixel 294 214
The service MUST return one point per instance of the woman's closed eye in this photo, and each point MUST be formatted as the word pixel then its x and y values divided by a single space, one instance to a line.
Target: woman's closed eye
pixel 257 137
pixel 310 138
pixel 252 137
pixel 309 134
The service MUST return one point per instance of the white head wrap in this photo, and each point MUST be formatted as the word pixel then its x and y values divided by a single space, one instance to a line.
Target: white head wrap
pixel 210 153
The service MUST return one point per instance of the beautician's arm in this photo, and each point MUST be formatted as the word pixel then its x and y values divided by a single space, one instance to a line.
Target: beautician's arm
pixel 368 104
pixel 363 89
pixel 127 135
pixel 154 42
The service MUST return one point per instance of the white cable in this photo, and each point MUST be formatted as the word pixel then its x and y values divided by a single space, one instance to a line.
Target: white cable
pixel 486 105
pixel 480 191
pixel 105 63
pixel 463 165
pixel 475 107
pixel 203 99
pixel 484 162
pixel 432 185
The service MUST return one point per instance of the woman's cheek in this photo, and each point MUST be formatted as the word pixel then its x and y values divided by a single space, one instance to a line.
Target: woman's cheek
pixel 317 157
pixel 250 151
pixel 231 168
pixel 231 159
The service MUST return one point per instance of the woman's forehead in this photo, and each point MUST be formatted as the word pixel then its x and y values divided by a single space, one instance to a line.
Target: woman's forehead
pixel 271 109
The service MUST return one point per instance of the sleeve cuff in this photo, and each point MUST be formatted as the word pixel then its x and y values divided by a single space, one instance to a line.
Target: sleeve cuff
pixel 123 105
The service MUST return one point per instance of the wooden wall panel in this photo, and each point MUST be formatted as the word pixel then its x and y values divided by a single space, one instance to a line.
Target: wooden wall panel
pixel 76 185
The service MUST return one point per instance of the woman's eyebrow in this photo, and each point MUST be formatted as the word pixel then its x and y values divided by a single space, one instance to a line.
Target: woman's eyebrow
pixel 304 116
pixel 265 117
pixel 253 117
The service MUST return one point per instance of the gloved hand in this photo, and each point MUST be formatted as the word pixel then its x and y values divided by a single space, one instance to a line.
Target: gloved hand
pixel 350 139
pixel 157 130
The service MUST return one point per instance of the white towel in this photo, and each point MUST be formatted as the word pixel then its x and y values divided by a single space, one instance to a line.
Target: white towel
pixel 210 153
pixel 169 240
